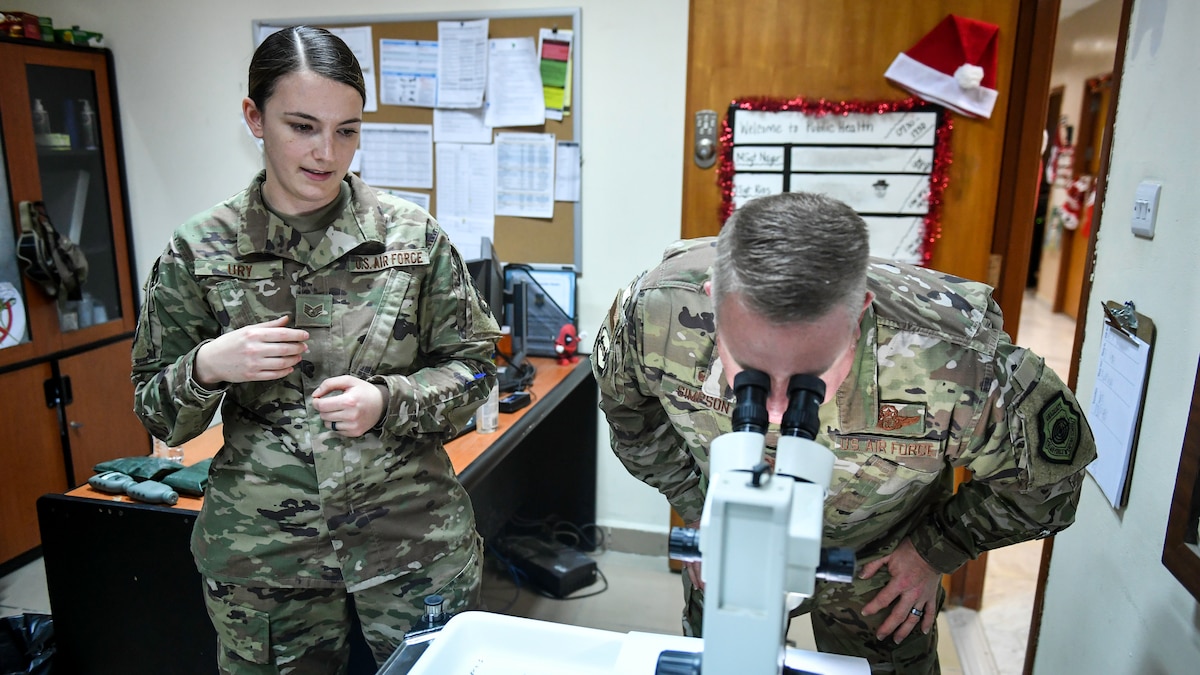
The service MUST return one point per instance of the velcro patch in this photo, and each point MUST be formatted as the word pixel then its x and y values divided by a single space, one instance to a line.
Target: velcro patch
pixel 388 259
pixel 266 269
pixel 908 418
pixel 1059 426
pixel 314 311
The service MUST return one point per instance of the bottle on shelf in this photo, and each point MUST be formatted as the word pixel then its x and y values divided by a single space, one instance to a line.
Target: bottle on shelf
pixel 41 118
pixel 87 124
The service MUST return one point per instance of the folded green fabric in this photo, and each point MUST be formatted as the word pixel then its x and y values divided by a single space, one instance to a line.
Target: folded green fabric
pixel 190 480
pixel 141 468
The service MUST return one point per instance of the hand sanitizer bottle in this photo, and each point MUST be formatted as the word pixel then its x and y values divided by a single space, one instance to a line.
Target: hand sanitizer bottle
pixel 87 123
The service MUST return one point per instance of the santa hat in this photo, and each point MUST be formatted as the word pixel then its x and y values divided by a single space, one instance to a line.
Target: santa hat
pixel 954 65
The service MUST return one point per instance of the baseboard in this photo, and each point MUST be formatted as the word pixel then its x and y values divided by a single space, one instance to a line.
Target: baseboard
pixel 641 542
pixel 974 654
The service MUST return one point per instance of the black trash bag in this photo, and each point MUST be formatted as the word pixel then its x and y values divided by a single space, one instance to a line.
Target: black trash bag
pixel 27 644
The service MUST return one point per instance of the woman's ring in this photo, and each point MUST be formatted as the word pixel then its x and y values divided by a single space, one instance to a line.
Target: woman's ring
pixel 917 612
pixel 333 427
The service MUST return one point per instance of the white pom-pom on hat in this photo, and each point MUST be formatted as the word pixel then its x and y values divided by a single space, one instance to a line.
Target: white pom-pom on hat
pixel 968 76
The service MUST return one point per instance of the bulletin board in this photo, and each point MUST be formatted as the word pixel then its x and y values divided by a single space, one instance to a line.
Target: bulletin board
pixel 556 240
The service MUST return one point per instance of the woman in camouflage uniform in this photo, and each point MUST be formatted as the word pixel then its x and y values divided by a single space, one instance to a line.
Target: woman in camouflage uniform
pixel 338 333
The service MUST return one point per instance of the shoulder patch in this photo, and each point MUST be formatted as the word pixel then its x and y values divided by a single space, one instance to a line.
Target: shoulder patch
pixel 601 348
pixel 1059 423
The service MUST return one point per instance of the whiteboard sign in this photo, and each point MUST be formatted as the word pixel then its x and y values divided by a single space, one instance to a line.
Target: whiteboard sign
pixel 881 164
pixel 797 128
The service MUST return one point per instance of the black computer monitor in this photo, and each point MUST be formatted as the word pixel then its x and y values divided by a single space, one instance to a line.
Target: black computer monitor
pixel 488 275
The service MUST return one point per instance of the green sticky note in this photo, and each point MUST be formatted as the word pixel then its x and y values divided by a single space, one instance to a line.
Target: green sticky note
pixel 554 73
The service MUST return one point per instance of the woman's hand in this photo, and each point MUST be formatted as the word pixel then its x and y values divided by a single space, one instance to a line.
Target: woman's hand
pixel 348 405
pixel 255 353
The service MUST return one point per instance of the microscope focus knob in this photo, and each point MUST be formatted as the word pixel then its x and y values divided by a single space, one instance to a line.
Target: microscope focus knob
pixel 671 662
pixel 684 544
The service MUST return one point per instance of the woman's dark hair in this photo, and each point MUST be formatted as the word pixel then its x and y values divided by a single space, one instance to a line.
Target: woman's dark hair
pixel 300 48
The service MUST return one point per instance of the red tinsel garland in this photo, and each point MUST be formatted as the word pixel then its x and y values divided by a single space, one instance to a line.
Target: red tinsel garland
pixel 938 177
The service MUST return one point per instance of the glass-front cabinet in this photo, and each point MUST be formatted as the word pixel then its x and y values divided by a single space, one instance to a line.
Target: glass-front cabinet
pixel 62 155
pixel 65 336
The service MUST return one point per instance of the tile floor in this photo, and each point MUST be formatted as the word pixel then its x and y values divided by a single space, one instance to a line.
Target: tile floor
pixel 644 595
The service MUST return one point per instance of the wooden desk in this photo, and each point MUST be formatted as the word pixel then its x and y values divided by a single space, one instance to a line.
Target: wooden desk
pixel 124 590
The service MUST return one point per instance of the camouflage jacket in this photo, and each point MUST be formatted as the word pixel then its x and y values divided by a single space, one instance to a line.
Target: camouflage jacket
pixel 936 384
pixel 384 297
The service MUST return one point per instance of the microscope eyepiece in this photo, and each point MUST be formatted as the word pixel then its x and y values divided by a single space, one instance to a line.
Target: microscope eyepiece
pixel 802 417
pixel 750 387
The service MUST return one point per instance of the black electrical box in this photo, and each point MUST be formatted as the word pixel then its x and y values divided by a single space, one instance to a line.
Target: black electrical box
pixel 555 568
pixel 514 401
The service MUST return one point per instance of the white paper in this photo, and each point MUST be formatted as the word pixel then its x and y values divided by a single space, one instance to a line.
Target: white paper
pixel 462 63
pixel 878 193
pixel 896 237
pixel 419 198
pixel 397 155
pixel 460 126
pixel 466 194
pixel 408 72
pixel 525 175
pixel 747 186
pixel 514 84
pixel 358 39
pixel 566 174
pixel 1116 403
pixel 795 127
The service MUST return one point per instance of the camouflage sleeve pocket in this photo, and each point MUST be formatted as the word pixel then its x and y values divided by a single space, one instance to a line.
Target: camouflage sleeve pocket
pixel 1052 426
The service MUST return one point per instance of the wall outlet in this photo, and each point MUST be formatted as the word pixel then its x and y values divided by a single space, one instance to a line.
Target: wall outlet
pixel 1145 209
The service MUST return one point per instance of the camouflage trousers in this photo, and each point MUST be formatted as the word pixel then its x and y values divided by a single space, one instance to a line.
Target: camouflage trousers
pixel 840 628
pixel 303 631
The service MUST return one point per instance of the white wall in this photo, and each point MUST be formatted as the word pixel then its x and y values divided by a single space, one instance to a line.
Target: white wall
pixel 181 76
pixel 1111 606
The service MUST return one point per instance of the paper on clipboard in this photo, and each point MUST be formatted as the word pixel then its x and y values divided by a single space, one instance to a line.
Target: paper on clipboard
pixel 1117 400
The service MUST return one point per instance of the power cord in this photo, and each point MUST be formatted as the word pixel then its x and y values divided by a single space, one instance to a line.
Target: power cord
pixel 546 532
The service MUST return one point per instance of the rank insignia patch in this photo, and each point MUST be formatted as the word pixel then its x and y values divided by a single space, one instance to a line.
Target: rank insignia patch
pixel 1058 422
pixel 313 311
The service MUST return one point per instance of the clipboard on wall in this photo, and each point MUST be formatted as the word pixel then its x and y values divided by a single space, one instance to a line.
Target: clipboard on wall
pixel 1115 413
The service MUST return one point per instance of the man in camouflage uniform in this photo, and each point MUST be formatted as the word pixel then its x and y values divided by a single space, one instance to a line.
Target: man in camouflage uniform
pixel 920 379
pixel 296 507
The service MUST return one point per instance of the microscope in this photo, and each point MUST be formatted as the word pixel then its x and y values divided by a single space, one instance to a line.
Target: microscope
pixel 760 532
pixel 760 540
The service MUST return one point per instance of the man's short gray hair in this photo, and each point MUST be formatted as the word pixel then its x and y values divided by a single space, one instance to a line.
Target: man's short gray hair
pixel 793 257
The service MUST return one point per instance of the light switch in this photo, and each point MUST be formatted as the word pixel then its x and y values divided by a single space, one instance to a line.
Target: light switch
pixel 1145 208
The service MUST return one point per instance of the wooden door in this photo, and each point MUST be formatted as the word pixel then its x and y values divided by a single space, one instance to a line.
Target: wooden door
pixel 31 457
pixel 840 51
pixel 1097 101
pixel 100 420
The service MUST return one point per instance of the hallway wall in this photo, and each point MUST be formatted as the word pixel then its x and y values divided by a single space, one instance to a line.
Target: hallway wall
pixel 1111 605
